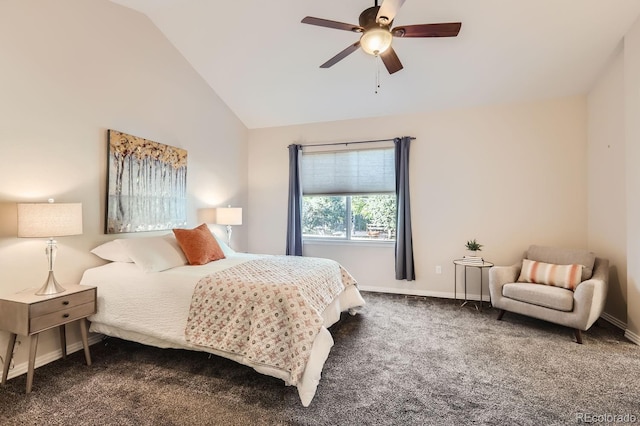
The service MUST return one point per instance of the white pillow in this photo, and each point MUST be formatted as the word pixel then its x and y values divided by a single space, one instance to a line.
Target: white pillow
pixel 112 251
pixel 223 245
pixel 154 254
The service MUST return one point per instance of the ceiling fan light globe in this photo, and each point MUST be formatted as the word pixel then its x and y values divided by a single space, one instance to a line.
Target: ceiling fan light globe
pixel 375 41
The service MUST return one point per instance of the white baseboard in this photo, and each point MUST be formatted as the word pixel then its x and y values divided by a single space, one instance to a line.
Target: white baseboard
pixel 407 292
pixel 51 356
pixel 622 326
pixel 613 320
pixel 632 336
pixel 413 292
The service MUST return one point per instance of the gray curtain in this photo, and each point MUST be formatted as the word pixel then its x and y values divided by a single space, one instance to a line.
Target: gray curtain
pixel 404 241
pixel 294 214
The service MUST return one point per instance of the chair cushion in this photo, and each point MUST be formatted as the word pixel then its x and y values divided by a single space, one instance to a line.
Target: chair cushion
pixel 550 297
pixel 561 256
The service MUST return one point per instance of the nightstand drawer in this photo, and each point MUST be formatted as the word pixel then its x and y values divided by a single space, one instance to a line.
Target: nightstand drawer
pixel 63 316
pixel 61 303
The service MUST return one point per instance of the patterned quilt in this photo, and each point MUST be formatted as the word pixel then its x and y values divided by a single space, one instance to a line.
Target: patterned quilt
pixel 267 310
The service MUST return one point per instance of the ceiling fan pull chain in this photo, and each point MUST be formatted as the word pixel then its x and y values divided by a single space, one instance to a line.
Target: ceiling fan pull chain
pixel 377 61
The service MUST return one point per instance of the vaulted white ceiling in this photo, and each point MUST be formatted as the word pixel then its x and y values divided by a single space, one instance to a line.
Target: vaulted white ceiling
pixel 264 63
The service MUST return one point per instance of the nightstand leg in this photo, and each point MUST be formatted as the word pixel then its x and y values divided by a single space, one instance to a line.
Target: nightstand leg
pixel 33 346
pixel 85 340
pixel 63 341
pixel 7 359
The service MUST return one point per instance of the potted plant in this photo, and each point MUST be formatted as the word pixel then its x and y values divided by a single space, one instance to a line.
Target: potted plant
pixel 473 246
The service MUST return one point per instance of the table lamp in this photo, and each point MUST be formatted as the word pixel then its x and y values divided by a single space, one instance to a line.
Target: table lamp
pixel 229 216
pixel 48 220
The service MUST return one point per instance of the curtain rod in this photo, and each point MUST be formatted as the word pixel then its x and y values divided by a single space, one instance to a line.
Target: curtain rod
pixel 351 143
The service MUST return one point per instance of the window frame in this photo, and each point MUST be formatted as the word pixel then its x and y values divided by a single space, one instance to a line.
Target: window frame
pixel 386 163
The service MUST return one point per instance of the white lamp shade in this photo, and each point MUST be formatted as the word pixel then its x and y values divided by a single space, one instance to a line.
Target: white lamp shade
pixel 49 219
pixel 229 216
pixel 207 215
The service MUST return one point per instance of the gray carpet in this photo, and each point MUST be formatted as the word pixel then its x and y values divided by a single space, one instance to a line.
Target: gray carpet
pixel 401 360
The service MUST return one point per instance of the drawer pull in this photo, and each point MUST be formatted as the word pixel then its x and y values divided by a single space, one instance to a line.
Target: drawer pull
pixel 66 302
pixel 65 316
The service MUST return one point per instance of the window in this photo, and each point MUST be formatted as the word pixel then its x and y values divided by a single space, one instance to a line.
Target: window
pixel 353 217
pixel 349 195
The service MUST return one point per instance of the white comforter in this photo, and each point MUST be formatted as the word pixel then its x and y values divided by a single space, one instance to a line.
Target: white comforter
pixel 152 308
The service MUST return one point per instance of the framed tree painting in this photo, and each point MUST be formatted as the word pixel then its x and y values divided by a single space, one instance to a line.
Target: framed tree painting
pixel 146 185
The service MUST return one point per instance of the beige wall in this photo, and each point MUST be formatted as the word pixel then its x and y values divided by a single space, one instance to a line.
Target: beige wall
pixel 632 136
pixel 509 175
pixel 606 182
pixel 70 70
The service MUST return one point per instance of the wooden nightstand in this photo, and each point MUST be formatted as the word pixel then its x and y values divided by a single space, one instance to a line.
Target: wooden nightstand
pixel 26 314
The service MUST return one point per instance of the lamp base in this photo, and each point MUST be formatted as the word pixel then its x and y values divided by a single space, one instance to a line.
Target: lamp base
pixel 51 286
pixel 229 230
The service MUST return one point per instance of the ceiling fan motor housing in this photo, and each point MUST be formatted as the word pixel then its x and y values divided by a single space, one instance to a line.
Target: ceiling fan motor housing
pixel 368 17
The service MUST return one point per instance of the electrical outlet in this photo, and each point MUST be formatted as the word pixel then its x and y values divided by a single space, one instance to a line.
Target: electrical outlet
pixel 438 269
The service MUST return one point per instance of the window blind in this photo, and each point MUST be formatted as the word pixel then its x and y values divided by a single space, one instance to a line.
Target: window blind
pixel 365 171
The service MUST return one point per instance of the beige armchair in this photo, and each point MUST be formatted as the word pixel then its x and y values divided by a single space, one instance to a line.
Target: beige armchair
pixel 578 308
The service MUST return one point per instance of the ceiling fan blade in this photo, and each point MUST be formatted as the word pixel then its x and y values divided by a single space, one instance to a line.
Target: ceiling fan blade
pixel 391 60
pixel 340 56
pixel 388 11
pixel 450 29
pixel 332 24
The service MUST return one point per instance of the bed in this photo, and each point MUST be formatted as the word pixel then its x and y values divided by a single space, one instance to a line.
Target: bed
pixel 149 294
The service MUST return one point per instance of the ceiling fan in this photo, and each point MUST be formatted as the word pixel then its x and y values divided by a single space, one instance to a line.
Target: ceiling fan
pixel 375 27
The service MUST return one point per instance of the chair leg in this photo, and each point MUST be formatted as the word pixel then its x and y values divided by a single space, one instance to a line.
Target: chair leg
pixel 500 314
pixel 578 334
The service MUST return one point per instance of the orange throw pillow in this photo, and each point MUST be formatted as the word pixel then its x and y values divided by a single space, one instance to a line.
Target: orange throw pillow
pixel 199 245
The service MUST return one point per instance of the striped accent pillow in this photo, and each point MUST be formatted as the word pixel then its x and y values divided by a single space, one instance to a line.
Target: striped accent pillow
pixel 565 276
